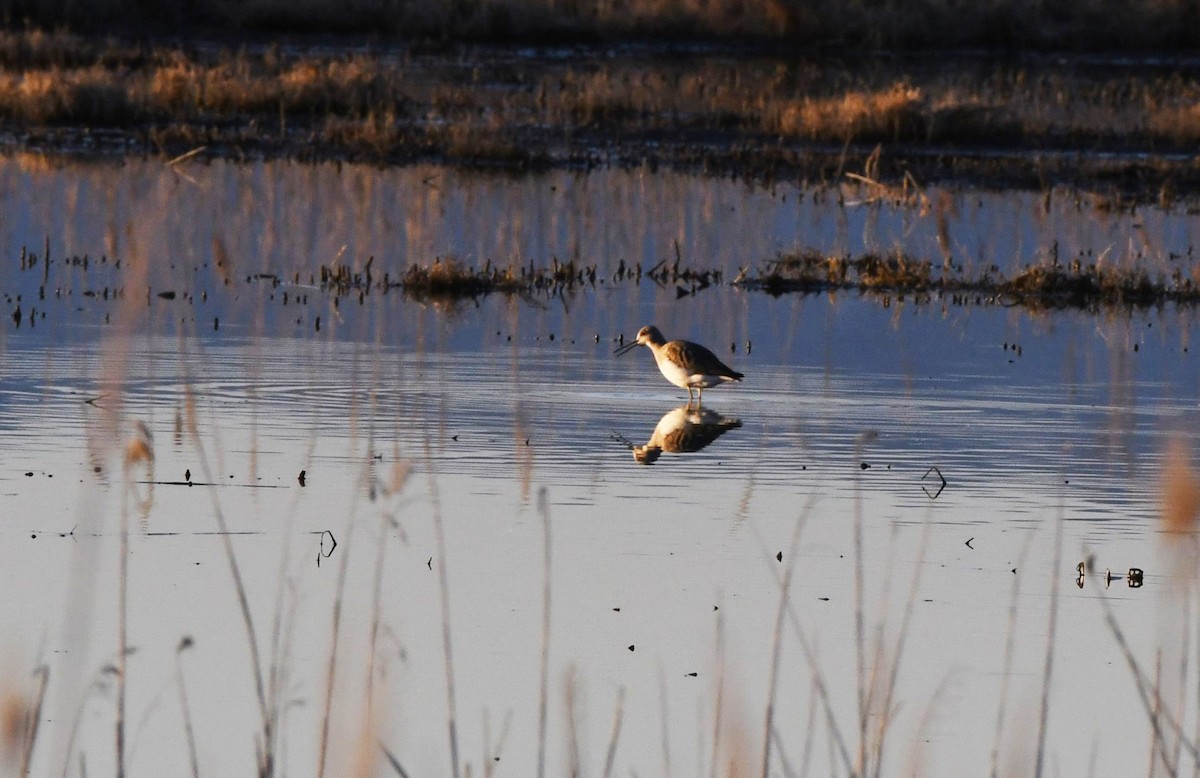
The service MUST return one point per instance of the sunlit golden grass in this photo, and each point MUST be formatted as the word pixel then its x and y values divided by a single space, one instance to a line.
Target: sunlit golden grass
pixel 755 111
pixel 894 112
pixel 1179 124
pixel 87 96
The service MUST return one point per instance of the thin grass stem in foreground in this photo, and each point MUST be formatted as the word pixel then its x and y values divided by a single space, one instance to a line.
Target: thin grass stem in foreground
pixel 1048 671
pixel 1009 647
pixel 777 639
pixel 439 532
pixel 544 510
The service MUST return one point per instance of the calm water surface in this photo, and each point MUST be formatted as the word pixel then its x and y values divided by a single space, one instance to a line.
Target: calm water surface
pixel 664 578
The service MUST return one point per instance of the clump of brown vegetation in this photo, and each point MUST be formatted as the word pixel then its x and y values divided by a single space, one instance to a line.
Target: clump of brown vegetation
pixel 1051 284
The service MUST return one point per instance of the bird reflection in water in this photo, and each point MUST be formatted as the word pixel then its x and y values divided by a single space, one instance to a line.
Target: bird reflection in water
pixel 684 430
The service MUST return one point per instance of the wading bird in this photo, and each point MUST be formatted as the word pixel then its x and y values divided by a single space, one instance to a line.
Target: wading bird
pixel 687 365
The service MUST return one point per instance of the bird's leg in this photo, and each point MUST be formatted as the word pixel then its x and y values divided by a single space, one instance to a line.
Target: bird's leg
pixel 699 396
pixel 689 396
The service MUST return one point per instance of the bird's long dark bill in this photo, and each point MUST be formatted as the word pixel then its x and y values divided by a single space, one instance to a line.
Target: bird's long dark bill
pixel 630 346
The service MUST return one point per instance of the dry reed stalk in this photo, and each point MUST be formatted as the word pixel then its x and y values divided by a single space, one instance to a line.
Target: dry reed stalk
pixel 20 720
pixel 571 699
pixel 1009 647
pixel 266 748
pixel 837 742
pixel 898 650
pixel 138 451
pixel 610 754
pixel 544 511
pixel 664 721
pixel 439 533
pixel 491 754
pixel 399 478
pixel 331 666
pixel 859 616
pixel 720 701
pixel 1180 492
pixel 777 638
pixel 1048 668
pixel 189 730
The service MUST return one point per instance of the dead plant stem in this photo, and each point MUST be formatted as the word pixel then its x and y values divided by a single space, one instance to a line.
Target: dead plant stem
pixel 544 510
pixel 777 639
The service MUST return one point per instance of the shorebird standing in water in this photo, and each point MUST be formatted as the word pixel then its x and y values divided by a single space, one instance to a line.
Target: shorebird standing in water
pixel 687 365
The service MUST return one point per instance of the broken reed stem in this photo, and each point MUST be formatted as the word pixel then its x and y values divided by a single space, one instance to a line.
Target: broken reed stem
pixel 439 533
pixel 1009 646
pixel 544 510
pixel 610 755
pixel 1048 671
pixel 777 645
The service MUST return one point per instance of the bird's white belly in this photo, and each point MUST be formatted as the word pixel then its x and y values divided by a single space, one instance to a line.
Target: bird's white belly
pixel 683 377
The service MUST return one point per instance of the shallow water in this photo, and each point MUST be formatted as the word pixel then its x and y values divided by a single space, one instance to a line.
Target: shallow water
pixel 664 578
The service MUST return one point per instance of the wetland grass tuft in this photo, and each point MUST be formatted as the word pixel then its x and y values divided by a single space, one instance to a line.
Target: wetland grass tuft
pixel 1089 286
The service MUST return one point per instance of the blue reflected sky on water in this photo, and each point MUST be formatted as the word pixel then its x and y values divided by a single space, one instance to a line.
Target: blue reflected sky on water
pixel 1029 415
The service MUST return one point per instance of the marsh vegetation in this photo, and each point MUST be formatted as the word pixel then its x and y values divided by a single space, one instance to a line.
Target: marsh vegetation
pixel 1023 119
pixel 316 459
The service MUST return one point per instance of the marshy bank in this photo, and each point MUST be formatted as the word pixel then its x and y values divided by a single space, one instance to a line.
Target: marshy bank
pixel 303 248
pixel 1122 125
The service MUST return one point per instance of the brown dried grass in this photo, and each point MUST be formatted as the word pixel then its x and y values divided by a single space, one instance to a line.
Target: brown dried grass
pixel 887 114
pixel 1180 491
